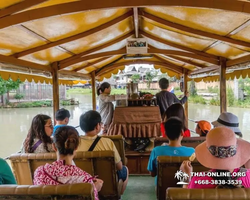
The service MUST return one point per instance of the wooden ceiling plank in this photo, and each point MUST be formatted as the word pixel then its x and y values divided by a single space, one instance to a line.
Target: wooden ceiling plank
pixel 81 6
pixel 93 56
pixel 177 45
pixel 169 63
pixel 75 37
pixel 90 64
pixel 136 21
pixel 238 61
pixel 204 70
pixel 19 7
pixel 194 31
pixel 23 63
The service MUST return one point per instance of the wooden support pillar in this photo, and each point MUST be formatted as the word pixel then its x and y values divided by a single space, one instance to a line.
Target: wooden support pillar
pixel 223 87
pixel 55 67
pixel 93 90
pixel 185 90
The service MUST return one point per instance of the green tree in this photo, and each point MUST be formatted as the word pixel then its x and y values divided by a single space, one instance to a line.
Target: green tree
pixel 135 78
pixel 149 77
pixel 8 85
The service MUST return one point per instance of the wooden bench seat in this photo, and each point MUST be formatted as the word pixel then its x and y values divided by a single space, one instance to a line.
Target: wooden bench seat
pixel 99 163
pixel 167 166
pixel 51 192
pixel 207 194
pixel 186 141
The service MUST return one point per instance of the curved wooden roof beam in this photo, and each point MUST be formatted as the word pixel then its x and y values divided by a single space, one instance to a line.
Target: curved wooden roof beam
pixel 24 63
pixel 170 66
pixel 177 45
pixel 93 56
pixel 204 70
pixel 151 50
pixel 90 64
pixel 72 73
pixel 74 59
pixel 187 61
pixel 238 61
pixel 19 7
pixel 194 31
pixel 75 37
pixel 80 6
pixel 182 53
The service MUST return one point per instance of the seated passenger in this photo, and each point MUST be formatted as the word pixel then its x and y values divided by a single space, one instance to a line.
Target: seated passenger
pixel 38 139
pixel 62 119
pixel 228 120
pixel 202 128
pixel 90 123
pixel 6 175
pixel 176 110
pixel 62 171
pixel 224 154
pixel 174 130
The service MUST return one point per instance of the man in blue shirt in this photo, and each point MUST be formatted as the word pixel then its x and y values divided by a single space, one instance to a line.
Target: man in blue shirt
pixel 174 130
pixel 62 119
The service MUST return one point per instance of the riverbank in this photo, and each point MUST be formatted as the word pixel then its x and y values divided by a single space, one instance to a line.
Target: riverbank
pixel 43 103
pixel 196 99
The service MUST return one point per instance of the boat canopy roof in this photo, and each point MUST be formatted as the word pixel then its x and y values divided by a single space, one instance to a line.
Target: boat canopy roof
pixel 79 37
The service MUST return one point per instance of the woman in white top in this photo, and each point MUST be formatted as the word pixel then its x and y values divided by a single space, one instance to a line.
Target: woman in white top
pixel 106 107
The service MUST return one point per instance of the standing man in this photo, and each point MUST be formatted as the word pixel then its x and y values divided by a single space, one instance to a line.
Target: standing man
pixel 166 98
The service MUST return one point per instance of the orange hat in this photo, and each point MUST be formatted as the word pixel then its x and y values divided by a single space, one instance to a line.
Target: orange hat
pixel 204 125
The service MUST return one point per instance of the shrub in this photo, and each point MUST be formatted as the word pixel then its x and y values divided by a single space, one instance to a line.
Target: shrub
pixel 18 96
pixel 215 101
pixel 197 99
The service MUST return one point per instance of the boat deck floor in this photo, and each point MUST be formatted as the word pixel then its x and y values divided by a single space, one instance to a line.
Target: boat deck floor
pixel 140 188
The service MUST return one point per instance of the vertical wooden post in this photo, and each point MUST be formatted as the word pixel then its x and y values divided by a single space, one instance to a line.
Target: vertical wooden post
pixel 185 89
pixel 93 90
pixel 223 91
pixel 55 88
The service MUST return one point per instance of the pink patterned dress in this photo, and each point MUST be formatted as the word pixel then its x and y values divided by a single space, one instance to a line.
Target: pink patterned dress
pixel 59 173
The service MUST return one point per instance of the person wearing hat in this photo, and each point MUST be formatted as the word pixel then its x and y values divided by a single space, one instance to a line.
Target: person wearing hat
pixel 202 127
pixel 222 152
pixel 229 120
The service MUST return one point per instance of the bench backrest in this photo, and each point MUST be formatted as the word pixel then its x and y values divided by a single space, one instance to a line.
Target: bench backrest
pixel 186 141
pixel 119 144
pixel 72 191
pixel 207 194
pixel 99 163
pixel 167 166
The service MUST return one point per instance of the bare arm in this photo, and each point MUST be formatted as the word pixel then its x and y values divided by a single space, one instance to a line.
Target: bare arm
pixel 119 165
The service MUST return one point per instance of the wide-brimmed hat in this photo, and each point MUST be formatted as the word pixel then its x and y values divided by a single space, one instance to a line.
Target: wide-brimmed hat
pixel 222 150
pixel 229 120
pixel 204 125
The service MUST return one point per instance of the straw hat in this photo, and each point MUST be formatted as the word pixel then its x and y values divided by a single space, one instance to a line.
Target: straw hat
pixel 229 120
pixel 222 150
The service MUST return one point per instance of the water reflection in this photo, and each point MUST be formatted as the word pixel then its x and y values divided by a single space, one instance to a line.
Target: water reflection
pixel 15 123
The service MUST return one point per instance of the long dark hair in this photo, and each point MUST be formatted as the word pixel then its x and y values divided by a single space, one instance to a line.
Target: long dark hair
pixel 37 130
pixel 176 110
pixel 102 87
pixel 66 140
